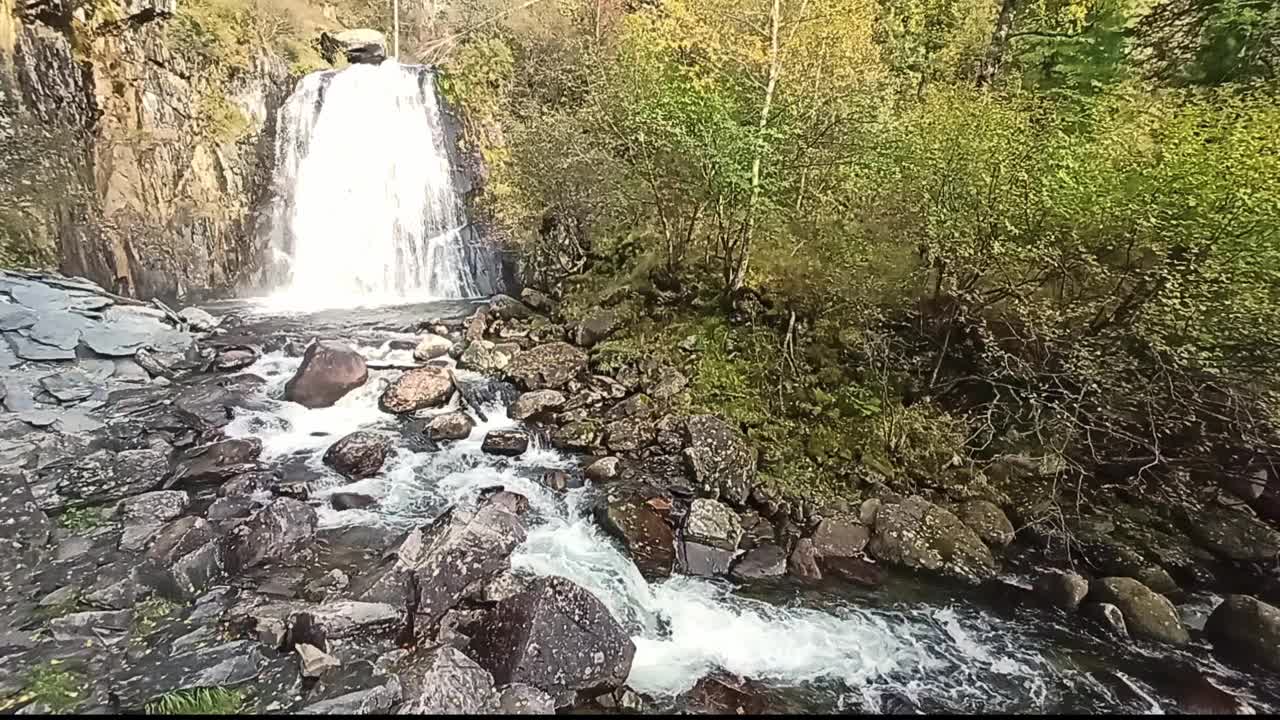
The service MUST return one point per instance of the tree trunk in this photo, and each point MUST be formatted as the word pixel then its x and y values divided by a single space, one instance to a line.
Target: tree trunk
pixel 739 274
pixel 994 58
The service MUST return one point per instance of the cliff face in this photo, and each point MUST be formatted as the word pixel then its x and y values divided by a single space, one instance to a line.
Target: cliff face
pixel 148 156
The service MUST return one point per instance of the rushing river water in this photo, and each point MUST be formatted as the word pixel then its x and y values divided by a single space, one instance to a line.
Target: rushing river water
pixel 829 648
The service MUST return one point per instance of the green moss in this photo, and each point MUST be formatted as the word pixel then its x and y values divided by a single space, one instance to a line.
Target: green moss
pixel 148 616
pixel 223 121
pixel 83 519
pixel 60 690
pixel 199 701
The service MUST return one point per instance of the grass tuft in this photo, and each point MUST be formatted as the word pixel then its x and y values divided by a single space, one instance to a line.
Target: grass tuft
pixel 198 701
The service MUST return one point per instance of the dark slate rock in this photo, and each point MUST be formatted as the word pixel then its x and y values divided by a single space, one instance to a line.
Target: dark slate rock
pixel 29 349
pixel 69 386
pixel 216 462
pixel 341 619
pixel 160 672
pixel 556 637
pixel 100 477
pixel 704 560
pixel 376 700
pixel 505 442
pixel 329 370
pixel 359 454
pixel 631 514
pixel 764 561
pixel 271 533
pixel 446 682
pixel 21 519
pixel 59 329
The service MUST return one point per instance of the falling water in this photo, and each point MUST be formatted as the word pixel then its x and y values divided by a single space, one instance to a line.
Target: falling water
pixel 366 208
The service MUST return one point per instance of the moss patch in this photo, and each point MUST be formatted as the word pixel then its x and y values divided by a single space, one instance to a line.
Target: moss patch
pixel 48 684
pixel 149 614
pixel 83 519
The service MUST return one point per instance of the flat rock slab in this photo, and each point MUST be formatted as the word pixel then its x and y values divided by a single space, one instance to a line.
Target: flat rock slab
pixel 161 672
pixel 28 349
pixel 60 329
pixel 70 386
pixel 16 317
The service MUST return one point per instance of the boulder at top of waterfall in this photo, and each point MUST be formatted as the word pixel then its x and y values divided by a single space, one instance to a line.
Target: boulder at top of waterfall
pixel 720 459
pixel 534 403
pixel 416 389
pixel 631 513
pixel 359 454
pixel 329 370
pixel 1235 536
pixel 360 45
pixel 1147 614
pixel 216 462
pixel 557 637
pixel 596 326
pixel 917 534
pixel 603 470
pixel 989 521
pixel 1062 589
pixel 431 346
pixel 444 681
pixel 714 524
pixel 505 307
pixel 271 533
pixel 1246 627
pixel 551 365
pixel 450 426
pixel 505 442
pixel 153 507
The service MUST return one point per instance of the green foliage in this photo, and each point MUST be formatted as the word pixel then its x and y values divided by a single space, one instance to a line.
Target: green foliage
pixel 199 701
pixel 83 518
pixel 149 614
pixel 60 690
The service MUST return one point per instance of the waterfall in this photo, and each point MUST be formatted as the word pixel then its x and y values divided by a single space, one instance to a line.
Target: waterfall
pixel 366 209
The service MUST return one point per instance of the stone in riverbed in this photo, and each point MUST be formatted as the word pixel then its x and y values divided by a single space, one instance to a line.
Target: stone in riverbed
pixel 430 347
pixel 197 319
pixel 701 560
pixel 1147 614
pixel 714 524
pixel 505 442
pixel 451 426
pixel 1248 628
pixel 534 403
pixel 603 470
pixel 918 534
pixel 987 520
pixel 719 458
pixel 556 637
pixel 417 389
pixel 444 681
pixel 216 462
pixel 1108 616
pixel 1064 590
pixel 629 513
pixel 551 365
pixel 764 561
pixel 839 538
pixel 230 359
pixel 505 307
pixel 486 357
pixel 329 370
pixel 350 501
pixel 359 454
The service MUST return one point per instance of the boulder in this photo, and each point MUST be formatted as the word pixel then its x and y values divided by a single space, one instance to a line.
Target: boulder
pixel 720 459
pixel 725 694
pixel 350 501
pixel 596 326
pixel 629 435
pixel 505 442
pixel 430 347
pixel 1147 614
pixel 359 45
pixel 534 403
pixel 314 661
pixel 450 426
pixel 231 359
pixel 1062 589
pixel 918 534
pixel 376 700
pixel 1108 616
pixel 184 558
pixel 700 560
pixel 427 387
pixel 549 366
pixel 271 533
pixel 603 470
pixel 329 370
pixel 250 483
pixel 197 319
pixel 486 357
pixel 1235 536
pixel 1248 628
pixel 713 523
pixel 216 462
pixel 764 561
pixel 537 300
pixel 521 699
pixel 576 436
pixel 630 515
pixel 102 476
pixel 854 569
pixel 987 520
pixel 152 508
pixel 505 307
pixel 446 682
pixel 838 537
pixel 343 619
pixel 359 454
pixel 803 563
pixel 556 637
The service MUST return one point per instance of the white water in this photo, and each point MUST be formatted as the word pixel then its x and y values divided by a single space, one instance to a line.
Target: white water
pixel 683 628
pixel 366 211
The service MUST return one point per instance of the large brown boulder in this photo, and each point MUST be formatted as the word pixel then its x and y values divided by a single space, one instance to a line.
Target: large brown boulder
pixel 1248 628
pixel 427 387
pixel 556 637
pixel 918 534
pixel 328 371
pixel 720 459
pixel 358 455
pixel 547 366
pixel 631 513
pixel 1147 614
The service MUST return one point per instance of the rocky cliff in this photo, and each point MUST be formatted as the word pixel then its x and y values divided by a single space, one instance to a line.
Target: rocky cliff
pixel 136 149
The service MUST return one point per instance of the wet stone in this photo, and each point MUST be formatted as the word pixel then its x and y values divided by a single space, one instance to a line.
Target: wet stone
pixel 505 442
pixel 704 560
pixel 765 561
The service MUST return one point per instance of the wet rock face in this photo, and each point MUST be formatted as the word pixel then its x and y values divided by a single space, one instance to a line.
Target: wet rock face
pixel 417 389
pixel 720 459
pixel 547 366
pixel 505 442
pixel 631 514
pixel 1147 614
pixel 359 455
pixel 1248 628
pixel 918 534
pixel 329 370
pixel 452 426
pixel 556 637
